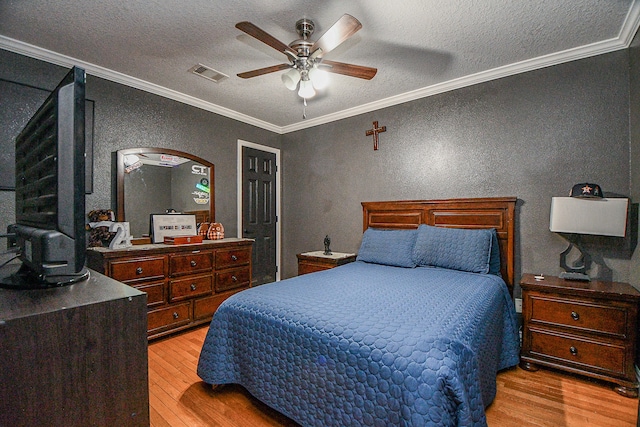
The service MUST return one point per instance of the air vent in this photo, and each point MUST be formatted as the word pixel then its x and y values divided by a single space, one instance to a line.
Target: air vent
pixel 208 73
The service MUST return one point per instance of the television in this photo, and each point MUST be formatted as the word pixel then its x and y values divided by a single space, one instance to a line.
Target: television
pixel 50 190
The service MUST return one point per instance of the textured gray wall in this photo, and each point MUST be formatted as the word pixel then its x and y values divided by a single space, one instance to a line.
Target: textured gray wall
pixel 634 142
pixel 126 118
pixel 532 136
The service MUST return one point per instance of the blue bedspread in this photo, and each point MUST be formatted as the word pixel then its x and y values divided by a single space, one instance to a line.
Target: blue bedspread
pixel 366 344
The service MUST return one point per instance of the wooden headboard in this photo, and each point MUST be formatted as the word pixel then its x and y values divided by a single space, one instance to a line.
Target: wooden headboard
pixel 492 212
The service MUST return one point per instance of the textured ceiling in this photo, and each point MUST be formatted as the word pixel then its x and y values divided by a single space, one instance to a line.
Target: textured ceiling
pixel 420 47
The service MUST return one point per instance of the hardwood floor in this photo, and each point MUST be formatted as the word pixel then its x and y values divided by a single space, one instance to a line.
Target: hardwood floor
pixel 178 398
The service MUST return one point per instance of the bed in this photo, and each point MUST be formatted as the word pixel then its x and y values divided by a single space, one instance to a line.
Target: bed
pixel 413 333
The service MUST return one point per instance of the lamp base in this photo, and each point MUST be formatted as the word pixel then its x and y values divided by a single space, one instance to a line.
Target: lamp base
pixel 572 275
pixel 576 271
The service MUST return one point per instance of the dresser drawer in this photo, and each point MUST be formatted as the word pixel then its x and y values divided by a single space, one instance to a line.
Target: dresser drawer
pixel 155 293
pixel 205 307
pixel 578 351
pixel 232 279
pixel 137 269
pixel 579 315
pixel 189 287
pixel 193 262
pixel 176 315
pixel 226 258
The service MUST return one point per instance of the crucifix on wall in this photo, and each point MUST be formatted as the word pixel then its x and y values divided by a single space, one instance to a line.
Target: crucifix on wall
pixel 375 131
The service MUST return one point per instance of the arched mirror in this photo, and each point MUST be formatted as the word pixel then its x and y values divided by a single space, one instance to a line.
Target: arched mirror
pixel 158 180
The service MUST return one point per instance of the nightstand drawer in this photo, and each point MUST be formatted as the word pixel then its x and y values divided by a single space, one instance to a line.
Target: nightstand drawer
pixel 310 262
pixel 578 351
pixel 579 314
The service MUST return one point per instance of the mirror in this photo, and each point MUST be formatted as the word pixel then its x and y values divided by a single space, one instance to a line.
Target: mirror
pixel 159 180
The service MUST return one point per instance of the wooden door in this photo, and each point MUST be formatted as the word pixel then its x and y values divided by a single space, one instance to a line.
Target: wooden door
pixel 259 211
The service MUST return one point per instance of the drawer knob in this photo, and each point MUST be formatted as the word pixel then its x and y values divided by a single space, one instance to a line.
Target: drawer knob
pixel 575 316
pixel 193 286
pixel 139 270
pixel 193 263
pixel 573 350
pixel 175 315
pixel 234 258
pixel 234 278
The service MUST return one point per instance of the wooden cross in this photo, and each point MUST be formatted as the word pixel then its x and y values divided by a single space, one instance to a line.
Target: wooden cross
pixel 375 131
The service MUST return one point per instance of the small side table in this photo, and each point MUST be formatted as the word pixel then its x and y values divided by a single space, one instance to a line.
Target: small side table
pixel 588 328
pixel 309 262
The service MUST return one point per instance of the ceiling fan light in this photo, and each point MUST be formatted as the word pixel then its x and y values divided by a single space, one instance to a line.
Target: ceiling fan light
pixel 131 159
pixel 291 79
pixel 319 78
pixel 306 89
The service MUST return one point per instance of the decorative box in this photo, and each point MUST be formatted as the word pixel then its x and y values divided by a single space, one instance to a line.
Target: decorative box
pixel 182 240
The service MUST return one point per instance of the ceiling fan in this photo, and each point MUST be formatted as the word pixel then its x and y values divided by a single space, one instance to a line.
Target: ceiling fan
pixel 307 65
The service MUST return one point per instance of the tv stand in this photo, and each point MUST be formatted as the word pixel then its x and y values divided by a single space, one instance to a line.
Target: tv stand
pixel 74 355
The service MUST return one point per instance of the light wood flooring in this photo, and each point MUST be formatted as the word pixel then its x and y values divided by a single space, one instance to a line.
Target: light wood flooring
pixel 178 398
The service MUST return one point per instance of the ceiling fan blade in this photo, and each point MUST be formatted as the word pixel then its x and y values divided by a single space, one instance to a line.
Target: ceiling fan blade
pixel 266 38
pixel 266 70
pixel 344 28
pixel 358 71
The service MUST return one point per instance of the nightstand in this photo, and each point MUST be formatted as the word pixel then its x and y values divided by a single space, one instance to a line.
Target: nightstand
pixel 587 328
pixel 309 262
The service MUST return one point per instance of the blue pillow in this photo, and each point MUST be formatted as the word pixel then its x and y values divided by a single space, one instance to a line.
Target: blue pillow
pixel 453 248
pixel 388 247
pixel 494 259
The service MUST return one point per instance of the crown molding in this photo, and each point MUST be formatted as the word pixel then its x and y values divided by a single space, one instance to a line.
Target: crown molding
pixel 461 82
pixel 623 41
pixel 36 52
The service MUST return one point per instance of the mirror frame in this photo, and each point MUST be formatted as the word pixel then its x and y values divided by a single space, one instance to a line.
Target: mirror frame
pixel 119 188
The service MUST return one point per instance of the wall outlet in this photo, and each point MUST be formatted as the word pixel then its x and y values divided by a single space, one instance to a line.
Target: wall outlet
pixel 518 302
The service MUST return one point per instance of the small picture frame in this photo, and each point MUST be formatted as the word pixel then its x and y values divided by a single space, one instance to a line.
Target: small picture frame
pixel 162 225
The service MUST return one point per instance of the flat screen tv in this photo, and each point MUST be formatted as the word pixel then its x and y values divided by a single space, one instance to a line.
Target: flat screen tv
pixel 50 190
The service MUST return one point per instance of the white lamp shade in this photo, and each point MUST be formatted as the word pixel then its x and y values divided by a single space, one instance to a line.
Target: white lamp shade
pixel 306 89
pixel 602 217
pixel 319 78
pixel 291 79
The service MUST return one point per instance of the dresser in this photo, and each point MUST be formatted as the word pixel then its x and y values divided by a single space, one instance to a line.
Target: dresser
pixel 310 262
pixel 588 328
pixel 184 284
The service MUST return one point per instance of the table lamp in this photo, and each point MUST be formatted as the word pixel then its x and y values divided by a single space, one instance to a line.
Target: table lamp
pixel 586 216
